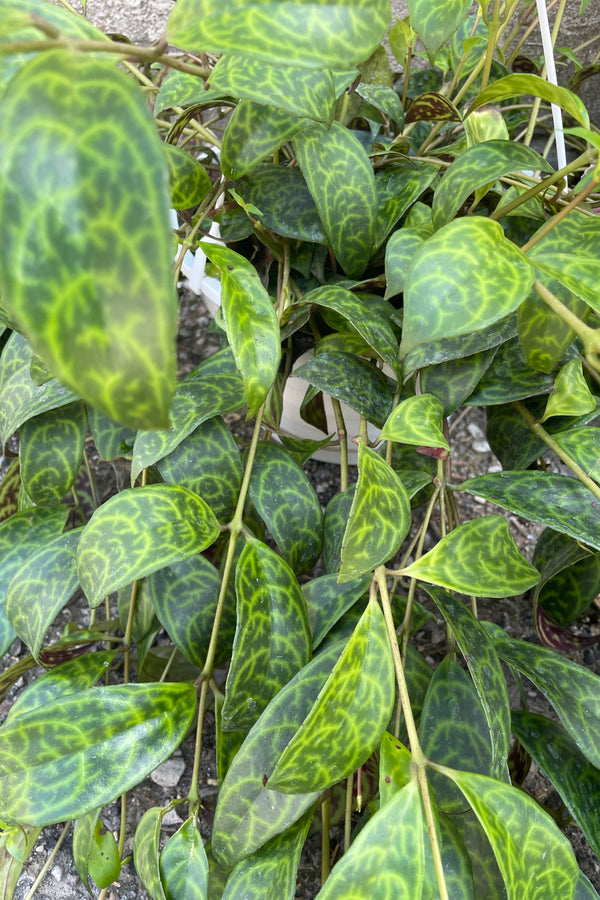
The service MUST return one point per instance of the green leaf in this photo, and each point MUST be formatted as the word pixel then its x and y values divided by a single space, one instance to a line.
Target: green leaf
pixel 43 585
pixel 327 600
pixel 253 133
pixel 146 852
pixel 558 501
pixel 571 395
pixel 250 322
pixel 50 449
pixel 67 678
pixel 535 859
pixel 271 871
pixel 196 401
pixel 353 381
pixel 509 378
pixel 442 349
pixel 468 257
pixel 288 504
pixel 272 641
pixel 570 576
pixel 138 532
pixel 582 444
pixel 486 672
pixel 185 596
pixel 515 85
pixel 20 398
pixel 387 859
pixel 394 767
pixel 89 277
pixel 284 202
pixel 83 734
pixel 543 335
pixel 576 780
pixel 432 107
pixel 249 813
pixel 478 166
pixel 10 487
pixel 340 178
pixel 349 716
pixel 379 518
pixel 568 253
pixel 111 440
pixel 435 22
pixel 15 848
pixel 95 851
pixel 398 187
pixel 183 864
pixel 584 890
pixel 454 380
pixel 305 93
pixel 326 34
pixel 208 463
pixel 416 421
pixel 479 558
pixel 190 183
pixel 399 253
pixel 570 688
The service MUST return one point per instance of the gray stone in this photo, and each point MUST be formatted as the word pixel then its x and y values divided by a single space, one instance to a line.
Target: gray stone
pixel 169 773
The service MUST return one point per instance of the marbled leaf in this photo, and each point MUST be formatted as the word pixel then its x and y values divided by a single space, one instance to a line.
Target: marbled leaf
pixel 570 576
pixel 189 181
pixel 543 335
pixel 286 207
pixel 272 641
pixel 568 254
pixel 398 187
pixel 15 849
pixel 57 761
pixel 432 107
pixel 571 395
pixel 379 519
pixel 480 558
pixel 138 532
pixel 288 505
pixel 253 133
pixel 399 253
pixel 100 308
pixel 334 527
pixel 327 600
pixel 349 715
pixel 454 380
pixel 443 349
pixel 50 449
pixel 515 85
pixel 435 22
pixel 509 378
pixel 183 864
pixel 146 847
pixel 466 258
pixel 9 491
pixel 95 851
pixel 417 421
pixel 583 444
pixel 112 441
pixel 340 178
pixel 327 33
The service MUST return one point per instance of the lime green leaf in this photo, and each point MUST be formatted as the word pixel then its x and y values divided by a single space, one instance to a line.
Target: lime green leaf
pixel 196 400
pixel 271 871
pixel 353 381
pixel 324 34
pixel 95 851
pixel 185 598
pixel 387 859
pixel 399 253
pixel 398 187
pixel 146 846
pixel 417 421
pixel 349 716
pixel 50 449
pixel 138 532
pixel 478 558
pixel 509 378
pixel 484 125
pixel 576 780
pixel 189 181
pixel 568 253
pixel 435 22
pixel 288 504
pixel 305 93
pixel 570 576
pixel 43 585
pixel 340 178
pixel 535 859
pixel 272 641
pixel 543 335
pixel 110 439
pixel 468 257
pixel 20 398
pixel 442 349
pixel 284 201
pixel 486 672
pixel 394 767
pixel 379 518
pixel 515 85
pixel 89 277
pixel 584 890
pixel 572 690
pixel 454 380
pixel 571 395
pixel 183 865
pixel 558 501
pixel 582 444
pixel 74 741
pixel 250 322
pixel 327 600
pixel 249 813
pixel 253 133
pixel 15 848
pixel 478 166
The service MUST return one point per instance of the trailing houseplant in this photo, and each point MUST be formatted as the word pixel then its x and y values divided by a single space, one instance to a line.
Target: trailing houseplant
pixel 373 220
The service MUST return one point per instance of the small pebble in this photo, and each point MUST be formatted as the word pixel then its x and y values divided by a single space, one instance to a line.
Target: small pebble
pixel 169 773
pixel 475 431
pixel 57 873
pixel 481 447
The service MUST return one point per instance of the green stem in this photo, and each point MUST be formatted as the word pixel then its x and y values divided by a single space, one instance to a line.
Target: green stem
pixel 325 843
pixel 589 336
pixel 343 439
pixel 348 812
pixel 48 862
pixel 541 186
pixel 194 796
pixel 413 581
pixel 553 222
pixel 409 51
pixel 491 45
pixel 541 433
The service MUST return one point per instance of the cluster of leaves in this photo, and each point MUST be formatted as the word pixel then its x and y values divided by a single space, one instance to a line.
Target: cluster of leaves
pixel 429 261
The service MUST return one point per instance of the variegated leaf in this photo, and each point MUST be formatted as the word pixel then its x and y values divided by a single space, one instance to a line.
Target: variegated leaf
pixel 435 22
pixel 571 395
pixel 327 600
pixel 283 201
pixel 146 848
pixel 190 182
pixel 50 449
pixel 515 85
pixel 417 421
pixel 253 133
pixel 183 864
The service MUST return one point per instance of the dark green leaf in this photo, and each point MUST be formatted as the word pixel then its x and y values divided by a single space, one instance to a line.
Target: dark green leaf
pixel 71 770
pixel 435 22
pixel 515 85
pixel 379 519
pixel 95 852
pixel 253 133
pixel 183 864
pixel 467 257
pixel 558 501
pixel 111 440
pixel 272 641
pixel 189 181
pixel 398 187
pixel 50 449
pixel 334 527
pixel 138 532
pixel 432 107
pixel 288 504
pixel 327 601
pixel 458 563
pixel 325 34
pixel 543 335
pixel 100 310
pixel 443 349
pixel 10 487
pixel 146 852
pixel 284 202
pixel 340 178
pixel 453 381
pixel 583 445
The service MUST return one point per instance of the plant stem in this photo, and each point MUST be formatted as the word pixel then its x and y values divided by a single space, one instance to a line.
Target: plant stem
pixel 348 812
pixel 541 186
pixel 325 844
pixel 553 222
pixel 194 796
pixel 541 433
pixel 589 336
pixel 48 862
pixel 491 45
pixel 343 439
